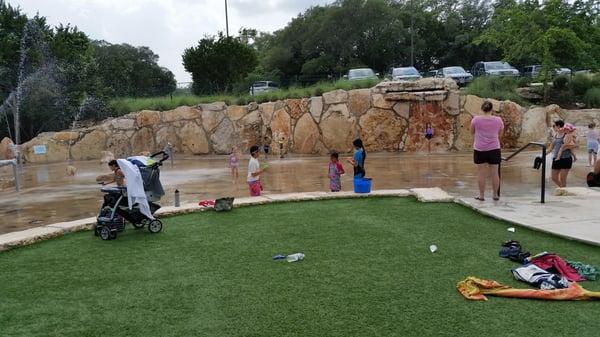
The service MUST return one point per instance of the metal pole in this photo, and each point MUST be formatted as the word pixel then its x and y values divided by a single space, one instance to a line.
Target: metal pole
pixel 17 178
pixel 226 20
pixel 543 198
pixel 412 34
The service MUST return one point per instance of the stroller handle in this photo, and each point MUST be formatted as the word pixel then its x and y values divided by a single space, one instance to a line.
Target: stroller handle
pixel 165 156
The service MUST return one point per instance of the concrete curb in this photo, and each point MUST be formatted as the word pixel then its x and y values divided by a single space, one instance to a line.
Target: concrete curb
pixel 33 235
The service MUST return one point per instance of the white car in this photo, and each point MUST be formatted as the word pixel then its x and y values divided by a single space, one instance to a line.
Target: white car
pixel 259 87
pixel 361 74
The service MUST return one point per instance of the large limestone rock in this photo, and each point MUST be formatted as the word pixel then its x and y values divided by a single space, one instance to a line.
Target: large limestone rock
pixel 223 139
pixel 511 114
pixel 181 113
pixel 297 107
pixel 306 135
pixel 55 151
pixel 425 84
pixel 193 139
pixel 143 141
pixel 90 146
pixel 119 144
pixel 147 118
pixel 5 148
pixel 464 139
pixel 452 103
pixel 235 112
pixel 105 158
pixel 168 134
pixel 266 111
pixel 402 109
pixel 382 130
pixel 122 123
pixel 359 101
pixel 212 118
pixel 281 127
pixel 533 127
pixel 249 131
pixel 316 107
pixel 442 124
pixel 66 136
pixel 335 97
pixel 338 132
pixel 215 106
pixel 473 105
pixel 338 109
pixel 553 113
pixel 379 101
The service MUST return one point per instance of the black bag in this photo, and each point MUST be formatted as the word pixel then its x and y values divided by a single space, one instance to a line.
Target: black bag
pixel 593 180
pixel 537 162
pixel 224 204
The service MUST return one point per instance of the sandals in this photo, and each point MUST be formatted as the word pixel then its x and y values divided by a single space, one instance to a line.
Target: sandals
pixel 480 199
pixel 496 198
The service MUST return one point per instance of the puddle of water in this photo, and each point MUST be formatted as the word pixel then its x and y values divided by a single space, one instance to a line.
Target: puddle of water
pixel 50 196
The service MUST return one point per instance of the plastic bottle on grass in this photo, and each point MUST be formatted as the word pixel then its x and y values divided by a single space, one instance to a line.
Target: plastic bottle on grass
pixel 295 257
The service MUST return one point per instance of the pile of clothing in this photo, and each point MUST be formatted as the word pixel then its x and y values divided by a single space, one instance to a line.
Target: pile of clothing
pixel 554 278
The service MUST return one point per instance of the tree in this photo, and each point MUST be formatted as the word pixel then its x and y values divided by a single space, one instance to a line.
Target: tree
pixel 139 73
pixel 217 63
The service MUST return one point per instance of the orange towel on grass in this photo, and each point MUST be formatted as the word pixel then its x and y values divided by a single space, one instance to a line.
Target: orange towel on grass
pixel 473 288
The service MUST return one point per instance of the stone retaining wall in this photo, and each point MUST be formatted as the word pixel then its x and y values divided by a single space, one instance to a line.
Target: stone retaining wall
pixel 388 117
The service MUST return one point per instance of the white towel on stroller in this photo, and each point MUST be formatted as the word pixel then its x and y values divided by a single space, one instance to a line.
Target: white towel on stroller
pixel 135 187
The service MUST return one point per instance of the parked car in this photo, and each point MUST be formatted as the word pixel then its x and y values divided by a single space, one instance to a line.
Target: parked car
pixel 405 74
pixel 533 71
pixel 494 68
pixel 361 74
pixel 458 74
pixel 259 87
pixel 431 73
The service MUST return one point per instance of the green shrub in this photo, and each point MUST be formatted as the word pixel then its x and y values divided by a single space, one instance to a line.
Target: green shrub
pixel 580 84
pixel 523 82
pixel 560 82
pixel 500 88
pixel 592 98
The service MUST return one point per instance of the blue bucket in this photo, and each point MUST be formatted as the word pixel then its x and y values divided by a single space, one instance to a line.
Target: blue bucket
pixel 362 185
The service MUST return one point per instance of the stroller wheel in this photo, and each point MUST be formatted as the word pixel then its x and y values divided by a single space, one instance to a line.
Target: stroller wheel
pixel 105 233
pixel 155 226
pixel 113 235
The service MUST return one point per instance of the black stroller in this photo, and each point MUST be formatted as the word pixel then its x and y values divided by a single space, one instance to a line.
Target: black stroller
pixel 115 209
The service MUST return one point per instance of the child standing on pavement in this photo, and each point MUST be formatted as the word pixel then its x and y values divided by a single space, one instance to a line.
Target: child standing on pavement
pixel 335 172
pixel 254 172
pixel 593 139
pixel 234 164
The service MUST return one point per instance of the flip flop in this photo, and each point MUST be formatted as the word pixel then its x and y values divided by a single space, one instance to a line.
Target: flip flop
pixel 480 199
pixel 496 198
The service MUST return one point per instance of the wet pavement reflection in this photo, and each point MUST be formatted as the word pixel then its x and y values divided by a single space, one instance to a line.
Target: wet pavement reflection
pixel 50 196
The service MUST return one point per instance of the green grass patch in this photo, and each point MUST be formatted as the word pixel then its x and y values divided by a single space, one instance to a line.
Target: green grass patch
pixel 367 272
pixel 125 105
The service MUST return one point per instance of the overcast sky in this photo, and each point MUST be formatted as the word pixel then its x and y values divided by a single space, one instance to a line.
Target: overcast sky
pixel 166 26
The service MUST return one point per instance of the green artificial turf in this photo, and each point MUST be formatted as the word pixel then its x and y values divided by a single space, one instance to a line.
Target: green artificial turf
pixel 367 272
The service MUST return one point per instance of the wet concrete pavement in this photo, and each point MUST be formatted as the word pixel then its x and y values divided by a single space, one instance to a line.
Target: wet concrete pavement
pixel 50 196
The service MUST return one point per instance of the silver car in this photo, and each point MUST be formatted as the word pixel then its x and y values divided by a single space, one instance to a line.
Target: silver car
pixel 406 74
pixel 361 74
pixel 259 87
pixel 495 68
pixel 458 74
